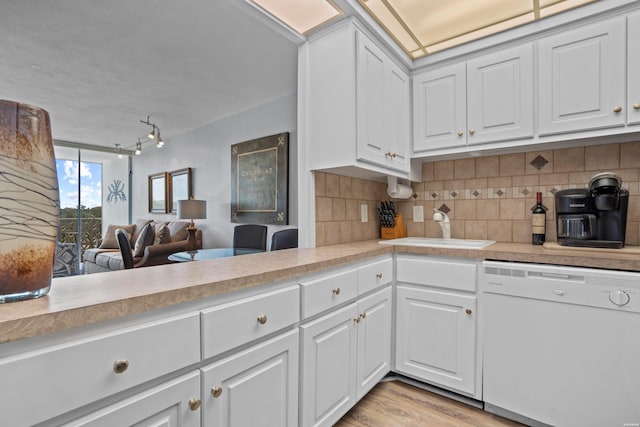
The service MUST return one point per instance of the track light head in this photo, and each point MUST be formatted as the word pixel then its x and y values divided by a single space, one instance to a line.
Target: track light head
pixel 138 148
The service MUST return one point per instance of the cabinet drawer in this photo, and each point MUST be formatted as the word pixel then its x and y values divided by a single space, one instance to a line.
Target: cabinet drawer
pixel 328 291
pixel 375 275
pixel 166 404
pixel 236 323
pixel 64 377
pixel 439 272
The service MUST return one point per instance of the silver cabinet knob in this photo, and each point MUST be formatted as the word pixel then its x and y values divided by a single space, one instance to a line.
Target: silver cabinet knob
pixel 617 109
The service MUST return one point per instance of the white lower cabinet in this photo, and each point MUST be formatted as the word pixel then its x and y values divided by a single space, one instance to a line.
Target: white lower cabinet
pixel 374 341
pixel 254 387
pixel 437 322
pixel 436 337
pixel 172 404
pixel 344 354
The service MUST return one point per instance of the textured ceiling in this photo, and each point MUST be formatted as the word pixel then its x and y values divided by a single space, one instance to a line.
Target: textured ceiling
pixel 100 66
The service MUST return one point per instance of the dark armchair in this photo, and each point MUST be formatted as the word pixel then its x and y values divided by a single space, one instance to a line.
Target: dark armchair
pixel 284 239
pixel 249 236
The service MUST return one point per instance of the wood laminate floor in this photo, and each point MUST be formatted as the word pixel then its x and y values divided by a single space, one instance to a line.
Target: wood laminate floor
pixel 394 404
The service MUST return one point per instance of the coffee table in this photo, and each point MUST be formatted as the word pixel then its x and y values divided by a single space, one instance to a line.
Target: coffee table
pixel 203 254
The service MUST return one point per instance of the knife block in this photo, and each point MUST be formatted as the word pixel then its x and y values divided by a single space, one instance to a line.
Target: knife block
pixel 397 231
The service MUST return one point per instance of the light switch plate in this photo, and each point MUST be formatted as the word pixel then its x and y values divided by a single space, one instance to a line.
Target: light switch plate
pixel 418 214
pixel 364 213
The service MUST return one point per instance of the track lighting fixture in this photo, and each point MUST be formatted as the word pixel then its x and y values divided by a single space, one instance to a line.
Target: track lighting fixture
pixel 160 142
pixel 154 133
pixel 119 151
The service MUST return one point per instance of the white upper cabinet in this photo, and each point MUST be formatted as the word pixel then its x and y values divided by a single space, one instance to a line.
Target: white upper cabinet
pixel 633 74
pixel 582 78
pixel 439 108
pixel 487 99
pixel 500 95
pixel 357 108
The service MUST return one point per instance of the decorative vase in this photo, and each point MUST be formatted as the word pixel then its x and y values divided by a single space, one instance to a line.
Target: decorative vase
pixel 28 202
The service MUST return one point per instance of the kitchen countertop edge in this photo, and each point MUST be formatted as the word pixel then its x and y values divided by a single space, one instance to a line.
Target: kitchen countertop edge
pixel 82 300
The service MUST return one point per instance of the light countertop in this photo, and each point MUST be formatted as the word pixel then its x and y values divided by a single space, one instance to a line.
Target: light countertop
pixel 82 300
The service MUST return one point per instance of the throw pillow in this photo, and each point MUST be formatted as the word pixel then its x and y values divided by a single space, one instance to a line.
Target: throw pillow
pixel 178 230
pixel 145 238
pixel 109 241
pixel 162 235
pixel 140 223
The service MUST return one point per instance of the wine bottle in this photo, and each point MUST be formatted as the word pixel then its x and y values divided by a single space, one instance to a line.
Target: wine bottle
pixel 538 221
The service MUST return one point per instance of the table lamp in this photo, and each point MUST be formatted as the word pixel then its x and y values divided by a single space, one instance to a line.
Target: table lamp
pixel 192 209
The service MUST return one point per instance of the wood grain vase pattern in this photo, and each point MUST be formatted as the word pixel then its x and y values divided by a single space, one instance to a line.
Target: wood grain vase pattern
pixel 29 208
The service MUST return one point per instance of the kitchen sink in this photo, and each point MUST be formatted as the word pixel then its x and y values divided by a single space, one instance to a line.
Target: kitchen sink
pixel 434 242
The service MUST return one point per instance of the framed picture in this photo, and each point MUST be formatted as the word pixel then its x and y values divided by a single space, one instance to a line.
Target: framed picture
pixel 259 180
pixel 158 193
pixel 180 187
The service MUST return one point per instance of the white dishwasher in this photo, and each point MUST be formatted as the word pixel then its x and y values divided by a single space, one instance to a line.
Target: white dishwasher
pixel 561 344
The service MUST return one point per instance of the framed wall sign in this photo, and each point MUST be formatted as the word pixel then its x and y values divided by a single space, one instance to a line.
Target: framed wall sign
pixel 180 188
pixel 259 180
pixel 158 193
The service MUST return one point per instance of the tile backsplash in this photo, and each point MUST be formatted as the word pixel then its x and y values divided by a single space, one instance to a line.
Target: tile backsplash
pixel 485 197
pixel 338 205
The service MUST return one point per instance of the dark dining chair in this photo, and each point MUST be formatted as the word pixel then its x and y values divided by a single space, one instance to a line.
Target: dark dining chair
pixel 125 248
pixel 284 239
pixel 249 236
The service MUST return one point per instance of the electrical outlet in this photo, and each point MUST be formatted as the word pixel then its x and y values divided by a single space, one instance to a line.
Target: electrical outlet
pixel 418 214
pixel 364 213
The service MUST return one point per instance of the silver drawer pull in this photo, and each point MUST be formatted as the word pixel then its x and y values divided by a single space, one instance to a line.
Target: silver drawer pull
pixel 121 365
pixel 379 275
pixel 262 319
pixel 336 291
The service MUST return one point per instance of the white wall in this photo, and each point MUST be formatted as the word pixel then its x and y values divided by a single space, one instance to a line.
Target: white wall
pixel 116 211
pixel 207 151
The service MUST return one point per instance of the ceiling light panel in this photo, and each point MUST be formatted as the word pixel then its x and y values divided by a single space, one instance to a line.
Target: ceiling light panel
pixel 301 15
pixel 421 27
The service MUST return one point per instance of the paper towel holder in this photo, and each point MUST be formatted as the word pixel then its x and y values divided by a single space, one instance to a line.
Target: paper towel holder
pixel 396 190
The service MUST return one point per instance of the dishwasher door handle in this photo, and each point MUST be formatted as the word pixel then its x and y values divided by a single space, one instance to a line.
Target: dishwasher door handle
pixel 556 276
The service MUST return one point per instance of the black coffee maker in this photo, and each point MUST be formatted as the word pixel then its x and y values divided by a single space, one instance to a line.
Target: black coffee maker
pixel 593 217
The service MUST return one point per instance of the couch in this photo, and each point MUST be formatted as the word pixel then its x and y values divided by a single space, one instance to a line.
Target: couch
pixel 151 242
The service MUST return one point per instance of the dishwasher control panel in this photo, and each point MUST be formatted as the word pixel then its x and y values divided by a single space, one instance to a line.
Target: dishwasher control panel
pixel 583 286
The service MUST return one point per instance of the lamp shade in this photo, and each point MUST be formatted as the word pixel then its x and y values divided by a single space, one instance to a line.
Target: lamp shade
pixel 192 209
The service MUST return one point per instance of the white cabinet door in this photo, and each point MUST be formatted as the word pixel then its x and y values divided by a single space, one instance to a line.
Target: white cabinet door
pixel 582 78
pixel 374 340
pixel 398 118
pixel 440 108
pixel 382 108
pixel 370 92
pixel 500 95
pixel 255 387
pixel 633 74
pixel 436 337
pixel 328 367
pixel 172 404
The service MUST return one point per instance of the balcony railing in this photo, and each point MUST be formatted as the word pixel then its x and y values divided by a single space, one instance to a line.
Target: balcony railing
pixel 91 232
